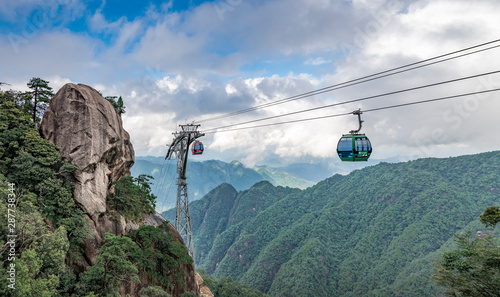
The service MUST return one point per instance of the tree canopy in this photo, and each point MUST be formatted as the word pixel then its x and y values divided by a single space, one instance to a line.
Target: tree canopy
pixel 374 232
pixel 51 229
pixel 473 269
pixel 39 97
pixel 117 104
pixel 491 216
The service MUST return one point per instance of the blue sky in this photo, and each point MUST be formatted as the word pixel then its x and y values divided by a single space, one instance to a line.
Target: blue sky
pixel 178 61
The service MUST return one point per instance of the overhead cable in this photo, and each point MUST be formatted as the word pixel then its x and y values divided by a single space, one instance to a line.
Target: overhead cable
pixel 363 79
pixel 364 111
pixel 355 100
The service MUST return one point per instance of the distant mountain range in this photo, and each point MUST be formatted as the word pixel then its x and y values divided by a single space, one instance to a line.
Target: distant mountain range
pixel 374 232
pixel 207 175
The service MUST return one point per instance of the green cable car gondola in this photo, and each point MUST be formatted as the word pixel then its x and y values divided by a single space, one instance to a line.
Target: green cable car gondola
pixel 354 146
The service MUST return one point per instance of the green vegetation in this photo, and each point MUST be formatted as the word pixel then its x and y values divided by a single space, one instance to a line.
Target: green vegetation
pixel 158 257
pixel 48 252
pixel 113 266
pixel 153 291
pixel 38 97
pixel 374 232
pixel 474 268
pixel 491 216
pixel 50 227
pixel 132 197
pixel 117 104
pixel 33 164
pixel 226 287
pixel 148 253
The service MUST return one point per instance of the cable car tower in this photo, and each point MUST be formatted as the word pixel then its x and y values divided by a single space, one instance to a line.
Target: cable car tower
pixel 180 149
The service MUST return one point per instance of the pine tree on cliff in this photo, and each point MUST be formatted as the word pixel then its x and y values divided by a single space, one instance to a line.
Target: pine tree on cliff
pixel 39 97
pixel 117 105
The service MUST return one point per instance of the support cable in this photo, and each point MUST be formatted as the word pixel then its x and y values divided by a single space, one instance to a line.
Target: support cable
pixel 159 183
pixel 356 100
pixel 360 80
pixel 366 110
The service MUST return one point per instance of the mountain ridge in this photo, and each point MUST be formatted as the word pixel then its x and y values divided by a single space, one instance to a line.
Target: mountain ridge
pixel 207 175
pixel 364 231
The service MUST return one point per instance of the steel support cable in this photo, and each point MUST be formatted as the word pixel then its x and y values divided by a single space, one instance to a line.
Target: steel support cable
pixel 356 100
pixel 359 80
pixel 169 189
pixel 158 182
pixel 161 182
pixel 343 85
pixel 364 111
pixel 162 194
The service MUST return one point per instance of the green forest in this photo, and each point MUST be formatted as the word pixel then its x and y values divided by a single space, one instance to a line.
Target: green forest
pixel 405 229
pixel 419 228
pixel 43 231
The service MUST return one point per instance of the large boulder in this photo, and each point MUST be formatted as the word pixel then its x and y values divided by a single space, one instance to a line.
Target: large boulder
pixel 90 135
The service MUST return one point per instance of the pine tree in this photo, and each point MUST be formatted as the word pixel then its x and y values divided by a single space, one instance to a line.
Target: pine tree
pixel 117 105
pixel 40 96
pixel 121 107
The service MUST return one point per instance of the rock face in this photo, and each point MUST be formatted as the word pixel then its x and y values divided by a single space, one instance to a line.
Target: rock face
pixel 89 134
pixel 204 290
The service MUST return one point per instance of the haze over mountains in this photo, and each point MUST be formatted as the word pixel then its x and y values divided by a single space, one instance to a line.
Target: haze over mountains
pixel 374 232
pixel 204 176
pixel 207 175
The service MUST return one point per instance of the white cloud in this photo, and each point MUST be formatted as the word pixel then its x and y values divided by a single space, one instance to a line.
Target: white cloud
pixel 434 129
pixel 48 54
pixel 149 137
pixel 317 61
pixel 314 138
pixel 176 66
pixel 437 129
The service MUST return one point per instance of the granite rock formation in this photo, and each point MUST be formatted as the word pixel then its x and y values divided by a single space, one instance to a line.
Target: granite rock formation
pixel 90 135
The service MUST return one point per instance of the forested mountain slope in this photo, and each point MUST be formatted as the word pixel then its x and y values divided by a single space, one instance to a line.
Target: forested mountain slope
pixel 374 232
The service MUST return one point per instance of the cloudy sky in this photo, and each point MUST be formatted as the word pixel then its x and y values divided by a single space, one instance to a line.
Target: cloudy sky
pixel 175 62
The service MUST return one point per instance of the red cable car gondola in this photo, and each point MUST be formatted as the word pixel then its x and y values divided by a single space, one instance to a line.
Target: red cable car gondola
pixel 197 148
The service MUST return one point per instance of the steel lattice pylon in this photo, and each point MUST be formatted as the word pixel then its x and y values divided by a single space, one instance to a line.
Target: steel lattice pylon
pixel 180 148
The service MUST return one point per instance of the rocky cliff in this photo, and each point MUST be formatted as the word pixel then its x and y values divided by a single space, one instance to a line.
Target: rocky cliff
pixel 90 135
